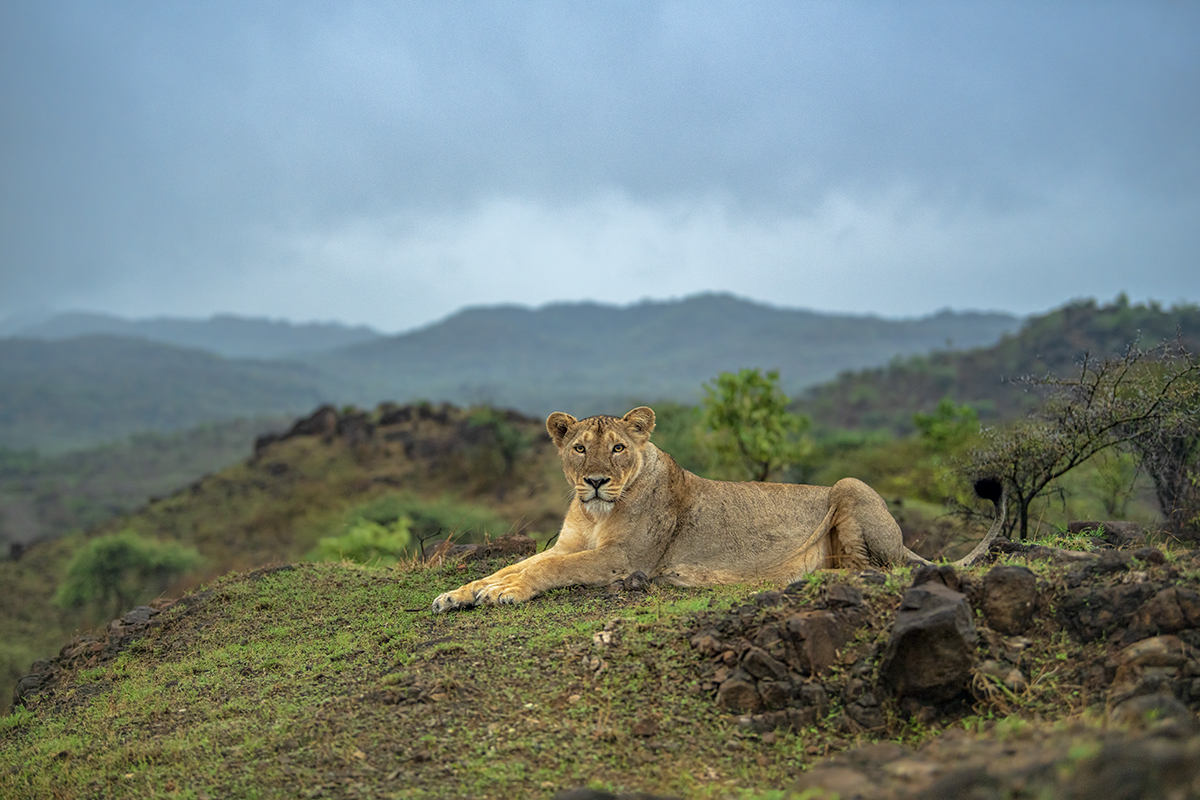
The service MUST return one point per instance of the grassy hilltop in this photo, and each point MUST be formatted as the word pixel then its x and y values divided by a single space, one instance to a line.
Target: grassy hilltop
pixel 337 681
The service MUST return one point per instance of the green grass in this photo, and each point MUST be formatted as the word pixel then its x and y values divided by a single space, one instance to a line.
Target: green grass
pixel 338 678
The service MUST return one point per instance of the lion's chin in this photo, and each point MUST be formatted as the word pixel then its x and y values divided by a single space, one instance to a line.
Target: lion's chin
pixel 598 506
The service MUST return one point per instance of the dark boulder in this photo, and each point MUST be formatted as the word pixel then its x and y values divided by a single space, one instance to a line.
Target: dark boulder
pixel 1116 533
pixel 932 646
pixel 739 694
pixel 1089 613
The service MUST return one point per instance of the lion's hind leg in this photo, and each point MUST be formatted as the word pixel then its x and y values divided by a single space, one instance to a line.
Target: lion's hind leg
pixel 862 533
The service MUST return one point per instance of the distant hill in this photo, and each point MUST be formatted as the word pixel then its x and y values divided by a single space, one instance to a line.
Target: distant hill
pixel 225 335
pixel 887 397
pixel 57 396
pixel 589 358
pixel 58 393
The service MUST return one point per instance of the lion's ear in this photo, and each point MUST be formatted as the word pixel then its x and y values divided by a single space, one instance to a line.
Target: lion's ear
pixel 557 425
pixel 641 421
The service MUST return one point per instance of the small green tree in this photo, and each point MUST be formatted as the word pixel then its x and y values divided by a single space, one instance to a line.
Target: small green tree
pixel 113 571
pixel 366 541
pixel 755 433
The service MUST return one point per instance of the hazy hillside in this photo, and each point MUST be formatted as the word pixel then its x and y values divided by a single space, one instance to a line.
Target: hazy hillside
pixel 43 497
pixel 56 396
pixel 588 357
pixel 887 397
pixel 224 334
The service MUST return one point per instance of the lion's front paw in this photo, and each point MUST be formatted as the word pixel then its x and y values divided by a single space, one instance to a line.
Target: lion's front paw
pixel 462 597
pixel 507 591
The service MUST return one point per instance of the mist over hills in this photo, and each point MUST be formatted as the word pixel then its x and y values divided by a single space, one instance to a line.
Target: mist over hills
pixel 60 390
pixel 224 334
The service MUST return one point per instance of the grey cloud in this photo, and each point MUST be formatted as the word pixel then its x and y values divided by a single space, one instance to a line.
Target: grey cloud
pixel 142 139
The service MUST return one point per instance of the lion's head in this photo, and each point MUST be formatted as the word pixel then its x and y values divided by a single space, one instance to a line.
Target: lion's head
pixel 601 455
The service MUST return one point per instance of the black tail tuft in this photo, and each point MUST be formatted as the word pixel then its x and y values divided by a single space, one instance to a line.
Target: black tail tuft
pixel 989 489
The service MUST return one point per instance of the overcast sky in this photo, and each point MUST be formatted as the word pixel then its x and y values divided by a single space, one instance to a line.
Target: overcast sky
pixel 387 163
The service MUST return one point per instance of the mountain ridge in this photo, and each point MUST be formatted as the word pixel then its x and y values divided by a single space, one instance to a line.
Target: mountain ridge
pixel 563 354
pixel 77 392
pixel 227 335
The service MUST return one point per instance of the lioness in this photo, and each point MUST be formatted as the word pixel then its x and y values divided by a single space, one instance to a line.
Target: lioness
pixel 635 509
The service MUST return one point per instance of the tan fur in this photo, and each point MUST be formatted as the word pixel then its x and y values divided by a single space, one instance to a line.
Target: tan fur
pixel 643 512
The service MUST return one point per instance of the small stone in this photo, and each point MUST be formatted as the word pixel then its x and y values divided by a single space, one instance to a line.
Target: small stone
pixel 772 597
pixel 1149 555
pixel 735 694
pixel 645 727
pixel 1009 599
pixel 1157 651
pixel 775 695
pixel 707 642
pixel 637 582
pixel 814 694
pixel 761 665
pixel 800 718
pixel 817 636
pixel 839 595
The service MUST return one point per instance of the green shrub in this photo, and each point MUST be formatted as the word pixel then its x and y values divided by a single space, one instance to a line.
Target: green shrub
pixel 119 568
pixel 395 525
pixel 366 541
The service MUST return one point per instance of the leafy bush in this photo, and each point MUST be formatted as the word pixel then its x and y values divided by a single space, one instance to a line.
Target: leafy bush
pixel 1145 402
pixel 119 568
pixel 394 526
pixel 368 542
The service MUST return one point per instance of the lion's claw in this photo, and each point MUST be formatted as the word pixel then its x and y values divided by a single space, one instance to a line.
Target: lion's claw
pixel 448 602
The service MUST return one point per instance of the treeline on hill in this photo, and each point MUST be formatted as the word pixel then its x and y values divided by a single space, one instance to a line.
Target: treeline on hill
pixel 886 398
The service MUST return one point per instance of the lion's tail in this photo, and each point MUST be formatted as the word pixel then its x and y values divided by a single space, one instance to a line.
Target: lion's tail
pixel 988 489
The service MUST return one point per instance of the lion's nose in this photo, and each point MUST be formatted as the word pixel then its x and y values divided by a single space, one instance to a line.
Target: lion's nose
pixel 595 483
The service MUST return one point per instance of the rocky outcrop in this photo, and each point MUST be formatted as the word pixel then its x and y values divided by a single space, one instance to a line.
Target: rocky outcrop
pixel 850 658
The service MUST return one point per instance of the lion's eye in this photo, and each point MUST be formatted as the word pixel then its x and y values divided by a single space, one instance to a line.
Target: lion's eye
pixel 618 448
pixel 579 448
